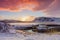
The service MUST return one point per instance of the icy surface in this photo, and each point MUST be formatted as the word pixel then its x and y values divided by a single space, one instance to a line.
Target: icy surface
pixel 37 36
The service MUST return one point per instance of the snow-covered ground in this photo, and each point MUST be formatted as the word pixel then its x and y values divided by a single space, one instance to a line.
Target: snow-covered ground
pixel 37 36
pixel 33 36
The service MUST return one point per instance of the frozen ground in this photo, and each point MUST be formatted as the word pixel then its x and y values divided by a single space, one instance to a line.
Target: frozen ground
pixel 37 36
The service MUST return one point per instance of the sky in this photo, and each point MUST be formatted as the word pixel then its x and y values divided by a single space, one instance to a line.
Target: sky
pixel 13 9
pixel 7 14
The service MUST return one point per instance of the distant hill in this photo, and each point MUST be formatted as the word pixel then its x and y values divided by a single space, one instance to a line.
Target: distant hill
pixel 9 21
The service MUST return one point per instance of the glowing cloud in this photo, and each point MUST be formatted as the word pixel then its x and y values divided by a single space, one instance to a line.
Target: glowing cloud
pixel 49 6
pixel 24 4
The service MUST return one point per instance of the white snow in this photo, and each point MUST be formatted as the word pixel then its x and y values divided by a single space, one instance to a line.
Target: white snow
pixel 37 36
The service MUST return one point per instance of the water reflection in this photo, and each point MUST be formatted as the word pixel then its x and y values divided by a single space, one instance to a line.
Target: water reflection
pixel 23 23
pixel 38 28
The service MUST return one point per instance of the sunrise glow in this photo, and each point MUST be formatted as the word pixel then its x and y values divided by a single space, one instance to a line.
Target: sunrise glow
pixel 27 18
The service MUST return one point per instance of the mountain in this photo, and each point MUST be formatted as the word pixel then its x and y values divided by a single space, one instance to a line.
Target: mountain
pixel 37 19
pixel 46 19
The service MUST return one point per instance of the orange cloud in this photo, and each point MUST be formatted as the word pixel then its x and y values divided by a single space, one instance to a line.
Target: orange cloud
pixel 52 7
pixel 16 5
